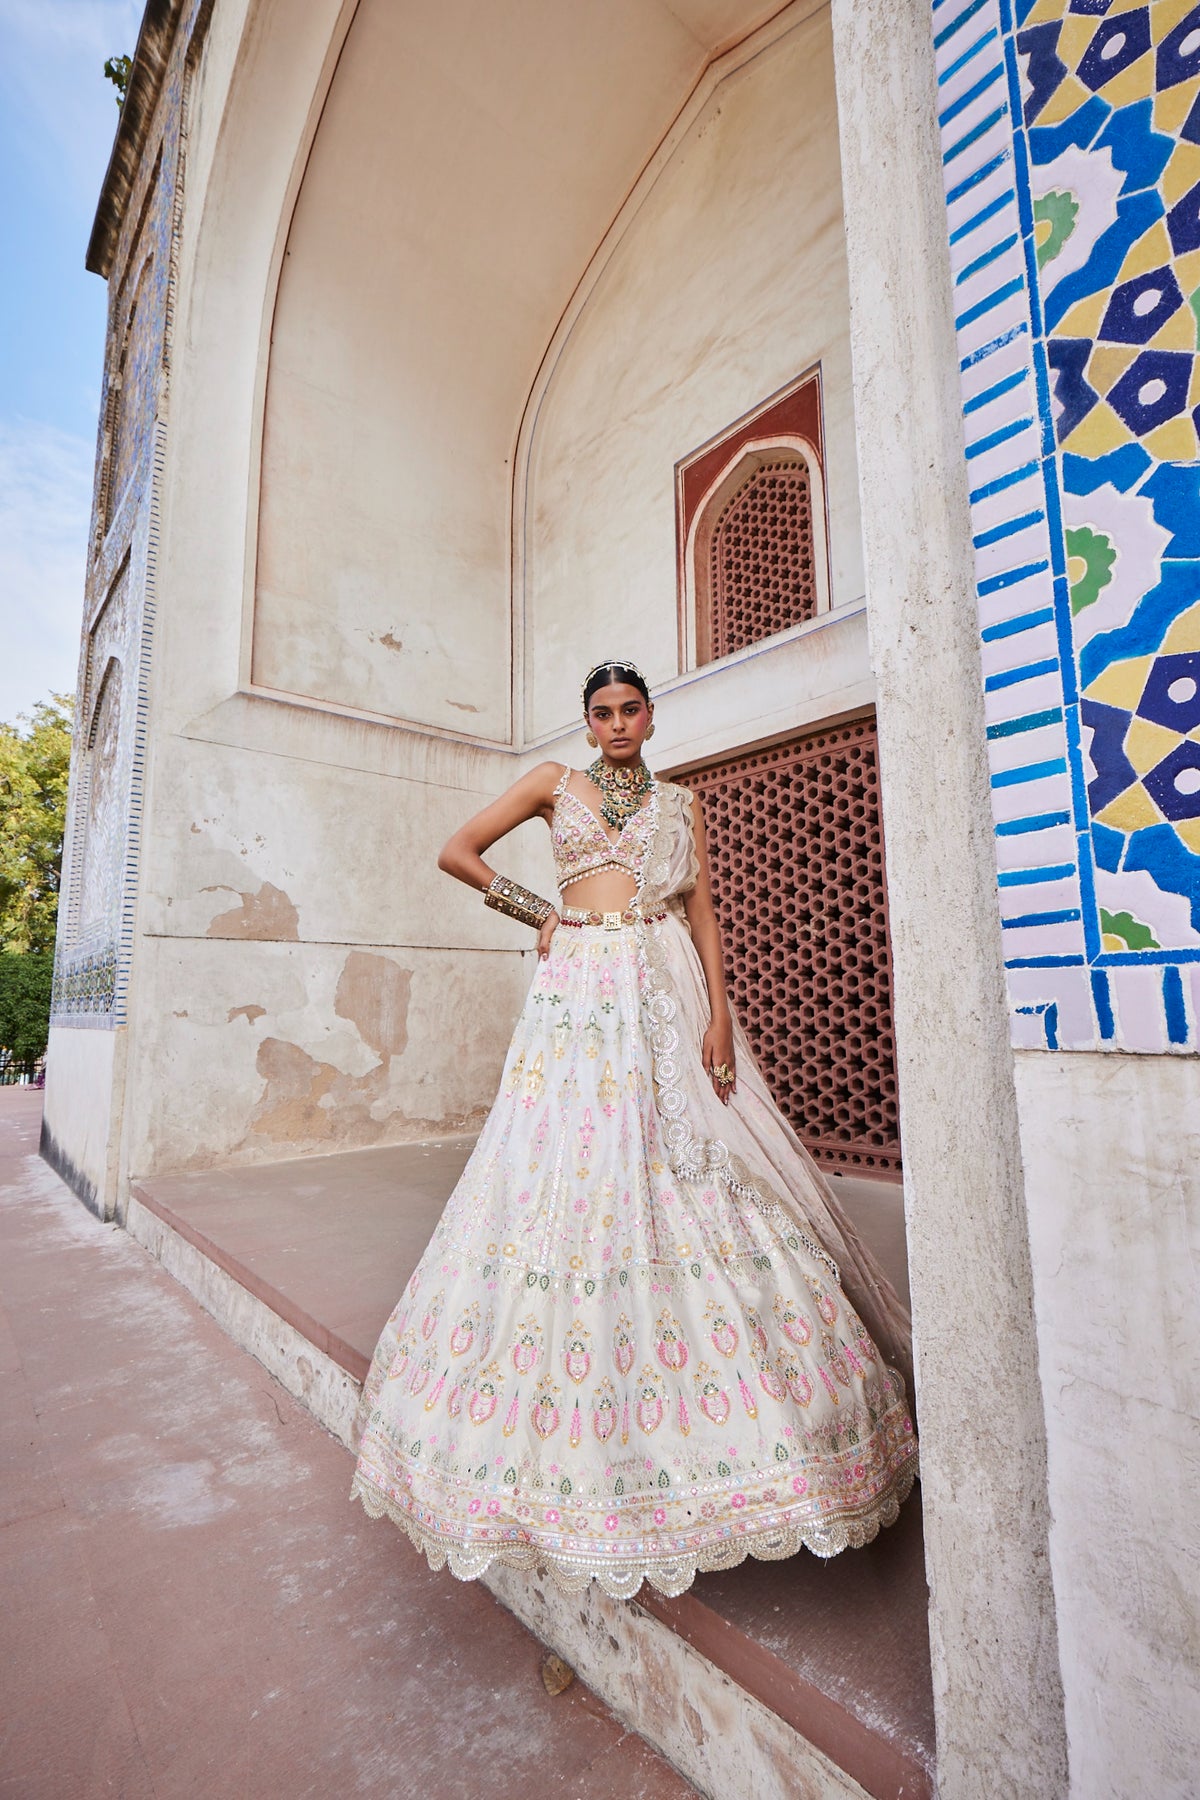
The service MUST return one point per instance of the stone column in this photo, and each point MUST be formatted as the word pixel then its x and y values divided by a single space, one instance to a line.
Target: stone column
pixel 998 1692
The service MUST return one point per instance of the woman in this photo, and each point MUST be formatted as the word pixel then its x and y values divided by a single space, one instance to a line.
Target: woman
pixel 643 1339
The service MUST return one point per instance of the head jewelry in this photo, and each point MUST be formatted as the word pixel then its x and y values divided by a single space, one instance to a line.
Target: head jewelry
pixel 610 662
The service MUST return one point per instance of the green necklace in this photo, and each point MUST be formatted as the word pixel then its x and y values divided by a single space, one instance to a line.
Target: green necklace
pixel 622 790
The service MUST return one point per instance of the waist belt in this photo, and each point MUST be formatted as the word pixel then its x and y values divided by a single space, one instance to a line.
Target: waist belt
pixel 611 921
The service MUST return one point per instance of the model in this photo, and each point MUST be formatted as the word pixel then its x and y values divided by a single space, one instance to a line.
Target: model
pixel 644 1340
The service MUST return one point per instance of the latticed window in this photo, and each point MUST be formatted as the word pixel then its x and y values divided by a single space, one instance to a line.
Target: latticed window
pixel 762 568
pixel 796 848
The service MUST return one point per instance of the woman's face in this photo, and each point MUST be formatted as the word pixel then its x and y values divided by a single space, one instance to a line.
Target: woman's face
pixel 620 718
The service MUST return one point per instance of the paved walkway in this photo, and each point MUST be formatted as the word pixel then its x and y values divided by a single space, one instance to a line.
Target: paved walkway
pixel 189 1605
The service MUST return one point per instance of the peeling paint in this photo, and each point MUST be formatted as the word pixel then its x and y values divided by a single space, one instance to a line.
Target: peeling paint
pixel 463 706
pixel 249 1013
pixel 267 915
pixel 373 993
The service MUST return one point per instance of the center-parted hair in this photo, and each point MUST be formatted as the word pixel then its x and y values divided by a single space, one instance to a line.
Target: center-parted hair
pixel 607 674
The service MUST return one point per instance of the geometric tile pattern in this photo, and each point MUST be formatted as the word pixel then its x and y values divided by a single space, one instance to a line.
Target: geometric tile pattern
pixel 1071 153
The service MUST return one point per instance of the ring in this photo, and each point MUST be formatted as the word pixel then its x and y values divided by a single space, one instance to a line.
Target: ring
pixel 724 1074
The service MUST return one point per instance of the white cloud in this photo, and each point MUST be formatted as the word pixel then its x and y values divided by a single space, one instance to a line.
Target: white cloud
pixel 45 509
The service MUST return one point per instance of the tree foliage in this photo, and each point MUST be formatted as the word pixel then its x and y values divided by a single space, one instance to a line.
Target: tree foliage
pixel 25 983
pixel 34 766
pixel 116 70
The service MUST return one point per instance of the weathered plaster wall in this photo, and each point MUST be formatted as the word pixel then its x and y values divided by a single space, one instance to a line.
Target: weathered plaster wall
pixel 1112 1148
pixel 722 281
pixel 455 190
pixel 82 1111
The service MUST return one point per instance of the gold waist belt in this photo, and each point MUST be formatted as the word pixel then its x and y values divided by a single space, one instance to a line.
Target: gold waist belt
pixel 611 921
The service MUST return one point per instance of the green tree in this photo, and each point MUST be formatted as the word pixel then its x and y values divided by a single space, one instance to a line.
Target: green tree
pixel 25 983
pixel 34 766
pixel 116 70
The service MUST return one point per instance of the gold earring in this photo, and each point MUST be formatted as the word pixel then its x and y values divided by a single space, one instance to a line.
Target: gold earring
pixel 650 729
pixel 593 740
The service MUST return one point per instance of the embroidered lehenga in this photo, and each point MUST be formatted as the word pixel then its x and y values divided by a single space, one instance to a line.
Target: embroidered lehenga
pixel 643 1340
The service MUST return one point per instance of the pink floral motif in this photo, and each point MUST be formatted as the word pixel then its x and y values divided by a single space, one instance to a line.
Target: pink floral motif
pixel 485 1394
pixel 527 1347
pixel 604 1411
pixel 433 1313
pixel 793 1323
pixel 510 1423
pixel 577 1351
pixel 623 1346
pixel 544 1413
pixel 576 1432
pixel 826 1304
pixel 798 1384
pixel 747 1398
pixel 758 1336
pixel 713 1398
pixel 672 1347
pixel 836 1360
pixel 660 1517
pixel 721 1329
pixel 652 1399
pixel 772 1385
pixel 435 1393
pixel 422 1372
pixel 462 1334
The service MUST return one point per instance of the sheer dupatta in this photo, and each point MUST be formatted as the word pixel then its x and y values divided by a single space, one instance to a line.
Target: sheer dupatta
pixel 748 1145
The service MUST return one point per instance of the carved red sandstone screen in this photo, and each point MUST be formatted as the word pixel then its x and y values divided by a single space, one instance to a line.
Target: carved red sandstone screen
pixel 762 575
pixel 796 846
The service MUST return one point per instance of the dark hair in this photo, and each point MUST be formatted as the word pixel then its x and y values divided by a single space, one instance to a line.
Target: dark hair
pixel 610 673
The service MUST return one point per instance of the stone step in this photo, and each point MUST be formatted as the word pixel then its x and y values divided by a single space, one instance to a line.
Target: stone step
pixel 772 1680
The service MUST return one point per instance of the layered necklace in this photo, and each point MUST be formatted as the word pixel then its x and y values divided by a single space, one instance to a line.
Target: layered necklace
pixel 622 791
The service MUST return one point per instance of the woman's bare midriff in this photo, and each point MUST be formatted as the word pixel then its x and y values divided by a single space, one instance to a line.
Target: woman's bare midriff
pixel 609 890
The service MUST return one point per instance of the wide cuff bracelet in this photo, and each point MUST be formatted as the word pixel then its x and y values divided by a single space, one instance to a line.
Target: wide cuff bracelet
pixel 517 902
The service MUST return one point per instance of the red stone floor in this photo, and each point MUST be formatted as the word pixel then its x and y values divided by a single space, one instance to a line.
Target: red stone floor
pixel 189 1606
pixel 840 1649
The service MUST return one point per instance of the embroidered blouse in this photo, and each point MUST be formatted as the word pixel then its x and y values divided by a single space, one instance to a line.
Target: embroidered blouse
pixel 582 846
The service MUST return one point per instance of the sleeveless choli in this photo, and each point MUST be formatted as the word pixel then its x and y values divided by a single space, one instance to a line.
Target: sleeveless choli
pixel 583 847
pixel 643 1340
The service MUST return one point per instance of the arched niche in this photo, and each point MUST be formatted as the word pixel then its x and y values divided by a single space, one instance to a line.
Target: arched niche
pixel 466 164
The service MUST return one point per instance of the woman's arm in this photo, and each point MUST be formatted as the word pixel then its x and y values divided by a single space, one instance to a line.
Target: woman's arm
pixel 531 797
pixel 717 1049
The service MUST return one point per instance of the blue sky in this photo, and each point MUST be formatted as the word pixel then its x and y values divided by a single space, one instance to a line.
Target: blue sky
pixel 57 120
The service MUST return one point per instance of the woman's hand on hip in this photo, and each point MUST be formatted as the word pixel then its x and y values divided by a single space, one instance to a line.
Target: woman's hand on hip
pixel 545 934
pixel 717 1055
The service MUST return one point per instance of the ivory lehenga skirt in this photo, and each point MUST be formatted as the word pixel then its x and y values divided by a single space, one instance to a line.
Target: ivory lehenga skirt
pixel 605 1369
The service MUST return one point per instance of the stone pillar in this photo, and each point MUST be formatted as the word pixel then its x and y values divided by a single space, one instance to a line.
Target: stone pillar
pixel 998 1691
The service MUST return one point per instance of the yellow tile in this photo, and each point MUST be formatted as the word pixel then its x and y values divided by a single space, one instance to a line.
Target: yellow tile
pixel 1150 251
pixel 1172 107
pixel 1189 831
pixel 1179 332
pixel 1173 442
pixel 1121 684
pixel 1043 11
pixel 1134 83
pixel 1083 319
pixel 1193 398
pixel 1147 743
pixel 1165 16
pixel 1067 98
pixel 1100 432
pixel 1185 632
pixel 1130 810
pixel 1108 362
pixel 1181 173
pixel 1077 33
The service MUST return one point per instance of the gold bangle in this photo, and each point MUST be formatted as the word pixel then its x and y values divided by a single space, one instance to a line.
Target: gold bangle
pixel 516 902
